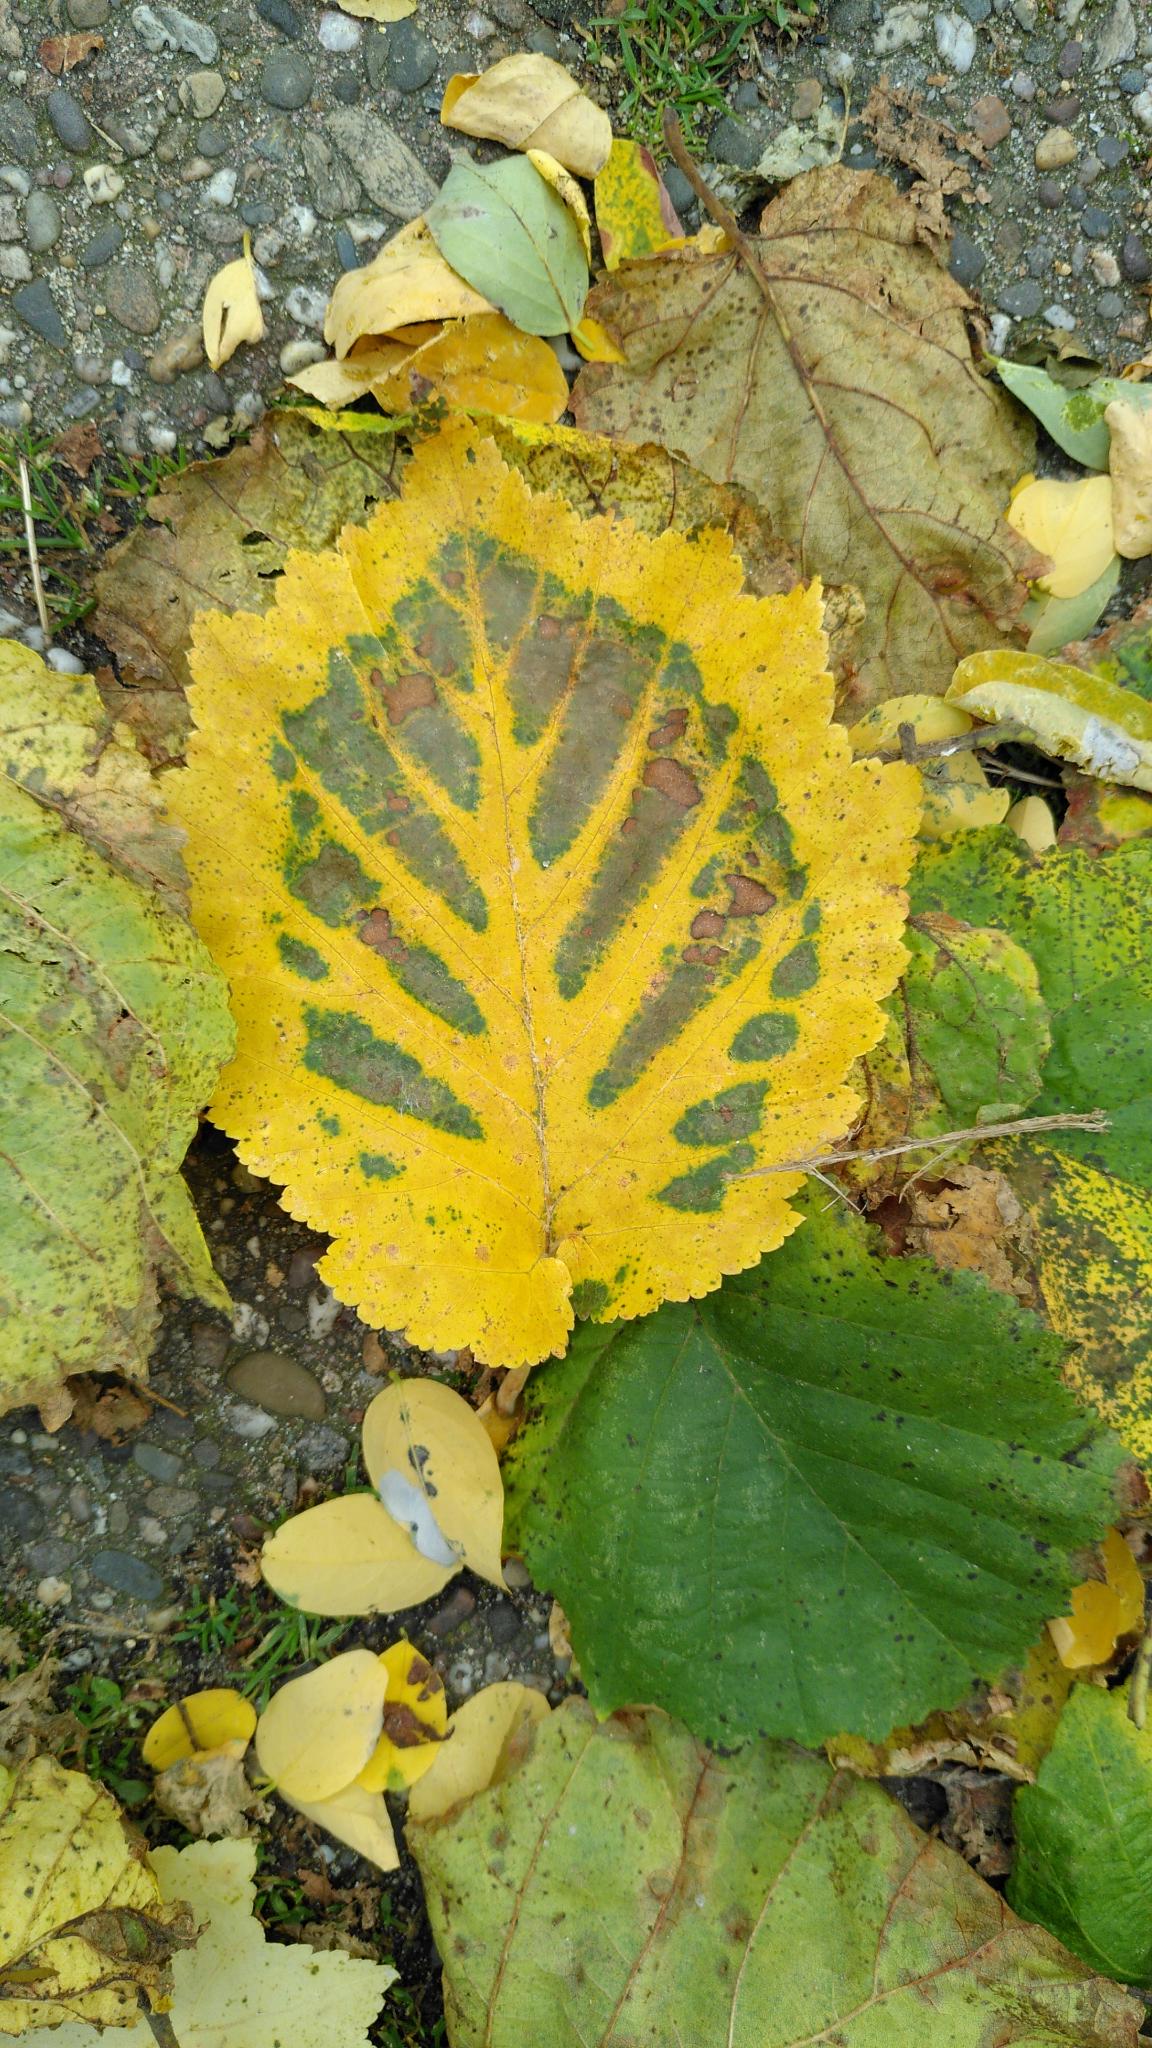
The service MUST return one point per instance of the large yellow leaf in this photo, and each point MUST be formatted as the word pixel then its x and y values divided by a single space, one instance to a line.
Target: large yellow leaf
pixel 552 904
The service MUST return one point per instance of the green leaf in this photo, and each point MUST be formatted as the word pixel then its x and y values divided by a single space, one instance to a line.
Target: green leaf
pixel 1054 621
pixel 511 237
pixel 625 1886
pixel 113 1027
pixel 1084 1838
pixel 828 1497
pixel 1074 418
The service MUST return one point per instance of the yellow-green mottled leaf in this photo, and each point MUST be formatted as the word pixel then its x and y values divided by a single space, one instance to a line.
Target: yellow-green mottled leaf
pixel 551 902
pixel 1076 716
pixel 634 214
pixel 1073 417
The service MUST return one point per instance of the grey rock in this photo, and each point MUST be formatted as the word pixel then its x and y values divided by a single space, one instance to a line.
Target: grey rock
pixel 280 14
pixel 102 247
pixel 18 137
pixel 393 178
pixel 130 295
pixel 10 217
pixel 20 1516
pixel 402 56
pixel 543 42
pixel 335 186
pixel 1096 223
pixel 322 1449
pixel 15 413
pixel 211 139
pixel 126 1574
pixel 1089 169
pixel 165 27
pixel 1111 150
pixel 88 13
pixel 277 143
pixel 287 80
pixel 347 254
pixel 1142 108
pixel 1111 306
pixel 206 1454
pixel 279 1385
pixel 1067 106
pixel 1070 59
pixel 70 122
pixel 202 93
pixel 966 260
pixel 1077 197
pixel 1131 82
pixel 157 1463
pixel 171 1502
pixel 731 142
pixel 977 10
pixel 1116 43
pixel 137 128
pixel 679 192
pixel 346 88
pixel 15 264
pixel 1038 258
pixel 1022 300
pixel 257 213
pixel 36 307
pixel 306 305
pixel 42 223
pixel 1134 259
pixel 53 1555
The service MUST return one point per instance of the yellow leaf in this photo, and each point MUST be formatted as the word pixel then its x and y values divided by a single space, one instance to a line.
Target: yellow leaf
pixel 1103 1611
pixel 530 102
pixel 634 214
pixel 595 343
pixel 1033 820
pixel 231 309
pixel 337 383
pixel 551 856
pixel 432 1463
pixel 348 1556
pixel 202 1720
pixel 958 796
pixel 482 364
pixel 1072 524
pixel 379 10
pixel 565 186
pixel 406 282
pixel 357 1817
pixel 317 1733
pixel 1130 469
pixel 486 1736
pixel 415 1718
pixel 1074 713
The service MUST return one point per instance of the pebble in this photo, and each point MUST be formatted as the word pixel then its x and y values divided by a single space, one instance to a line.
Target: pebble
pixel 479 26
pixel 15 180
pixel 967 259
pixel 956 42
pixel 287 80
pixel 278 1385
pixel 38 310
pixel 18 136
pixel 346 87
pixel 42 222
pixel 991 120
pixel 53 1592
pixel 126 1574
pixel 1111 150
pixel 334 184
pixel 1096 223
pixel 1070 59
pixel 202 93
pixel 542 40
pixel 1066 108
pixel 322 1449
pixel 1055 149
pixel 211 139
pixel 221 187
pixel 102 184
pixel 679 191
pixel 1104 266
pixel 1023 300
pixel 103 246
pixel 346 251
pixel 392 177
pixel 338 32
pixel 1022 86
pixel 14 414
pixel 164 27
pixel 158 1463
pixel 15 263
pixel 1131 82
pixel 250 1424
pixel 1117 40
pixel 298 355
pixel 69 121
pixel 1110 305
pixel 807 99
pixel 130 296
pixel 1142 108
pixel 901 27
pixel 457 1608
pixel 732 142
pixel 283 16
pixel 88 13
pixel 183 350
pixel 1134 259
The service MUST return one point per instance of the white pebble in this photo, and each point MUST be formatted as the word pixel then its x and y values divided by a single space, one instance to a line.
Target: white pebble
pixel 15 263
pixel 16 180
pixel 221 189
pixel 299 221
pixel 956 41
pixel 998 330
pixel 248 1325
pixel 900 27
pixel 120 375
pixel 323 1309
pixel 102 184
pixel 1059 316
pixel 162 439
pixel 1142 107
pixel 7 337
pixel 249 1423
pixel 338 31
pixel 53 1592
pixel 306 305
pixel 65 664
pixel 362 230
pixel 839 67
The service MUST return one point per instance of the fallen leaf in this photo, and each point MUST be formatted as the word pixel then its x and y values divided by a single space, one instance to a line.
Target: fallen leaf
pixel 210 1794
pixel 432 1463
pixel 567 188
pixel 349 1556
pixel 1071 523
pixel 1006 1727
pixel 594 342
pixel 802 146
pixel 958 796
pixel 81 445
pixel 481 364
pixel 735 1420
pixel 1100 817
pixel 1053 621
pixel 1104 729
pixel 108 1408
pixel 379 10
pixel 400 1075
pixel 29 1721
pixel 406 283
pixel 505 230
pixel 487 1738
pixel 885 463
pixel 528 101
pixel 202 1720
pixel 415 1720
pixel 1084 1838
pixel 358 1818
pixel 904 134
pixel 1105 1612
pixel 634 215
pixel 64 53
pixel 317 1732
pixel 1130 468
pixel 231 309
pixel 1074 414
pixel 740 1899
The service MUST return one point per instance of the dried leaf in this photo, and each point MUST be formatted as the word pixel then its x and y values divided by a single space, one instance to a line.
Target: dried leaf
pixel 349 1556
pixel 415 1720
pixel 634 214
pixel 379 10
pixel 528 101
pixel 1105 1612
pixel 905 134
pixel 971 1220
pixel 1102 728
pixel 1006 1727
pixel 844 396
pixel 202 1720
pixel 480 364
pixel 231 309
pixel 405 1087
pixel 505 230
pixel 1074 414
pixel 407 282
pixel 1071 523
pixel 64 53
pixel 109 1409
pixel 1130 468
pixel 317 1732
pixel 802 146
pixel 430 1458
pixel 487 1738
pixel 209 1793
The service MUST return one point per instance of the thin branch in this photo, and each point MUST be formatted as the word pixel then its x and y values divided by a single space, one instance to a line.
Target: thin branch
pixel 721 214
pixel 33 550
pixel 1138 1685
pixel 1020 1127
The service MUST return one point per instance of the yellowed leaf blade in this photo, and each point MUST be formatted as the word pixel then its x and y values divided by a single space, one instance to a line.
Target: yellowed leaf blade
pixel 1075 714
pixel 958 796
pixel 200 1721
pixel 232 311
pixel 348 1556
pixel 407 281
pixel 1130 469
pixel 557 175
pixel 379 10
pixel 484 1736
pixel 415 1720
pixel 429 1457
pixel 357 1817
pixel 481 364
pixel 317 1732
pixel 1104 1611
pixel 1071 523
pixel 551 857
pixel 528 101
pixel 634 214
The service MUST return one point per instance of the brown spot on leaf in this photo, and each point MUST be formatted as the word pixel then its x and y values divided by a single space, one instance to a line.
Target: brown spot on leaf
pixel 396 802
pixel 548 628
pixel 670 729
pixel 405 1728
pixel 673 781
pixel 453 579
pixel 412 692
pixel 376 931
pixel 703 956
pixel 749 898
pixel 708 924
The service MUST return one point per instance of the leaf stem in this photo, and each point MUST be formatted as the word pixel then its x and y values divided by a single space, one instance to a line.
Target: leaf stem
pixel 1138 1683
pixel 1019 1127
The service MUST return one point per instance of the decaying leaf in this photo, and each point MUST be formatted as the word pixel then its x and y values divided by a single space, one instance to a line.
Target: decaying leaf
pixel 1076 716
pixel 1074 413
pixel 742 1900
pixel 415 1722
pixel 1084 1834
pixel 407 282
pixel 958 796
pixel 482 364
pixel 486 1738
pixel 109 1408
pixel 113 1027
pixel 1005 1727
pixel 1130 468
pixel 433 1466
pixel 1105 1612
pixel 904 134
pixel 203 1720
pixel 64 53
pixel 816 1433
pixel 1071 523
pixel 528 101
pixel 83 1929
pixel 634 215
pixel 838 385
pixel 210 1793
pixel 231 309
pixel 698 887
pixel 317 1732
pixel 511 236
pixel 968 1218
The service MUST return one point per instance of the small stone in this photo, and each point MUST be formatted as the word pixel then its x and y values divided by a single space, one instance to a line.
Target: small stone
pixel 1111 150
pixel 405 57
pixel 18 136
pixel 257 213
pixel 977 10
pixel 103 246
pixel 1116 43
pixel 165 27
pixel 1022 86
pixel 967 259
pixel 287 80
pixel 346 87
pixel 1089 169
pixel 42 222
pixel 1134 259
pixel 280 14
pixel 171 1502
pixel 53 1592
pixel 157 1462
pixel 202 92
pixel 901 27
pixel 1039 258
pixel 1023 300
pixel 479 26
pixel 88 13
pixel 278 1385
pixel 102 184
pixel 321 1449
pixel 1131 82
pixel 1070 59
pixel 211 139
pixel 1066 108
pixel 1096 223
pixel 393 178
pixel 1055 149
pixel 1104 267
pixel 137 129
pixel 307 305
pixel 1142 108
pixel 15 180
pixel 807 99
pixel 1077 197
pixel 14 414
pixel 1110 305
pixel 334 184
pixel 300 354
pixel 15 263
pixel 990 119
pixel 126 1574
pixel 347 254
pixel 733 143
pixel 338 32
pixel 130 296
pixel 956 42
pixel 37 309
pixel 69 121
pixel 517 1575
pixel 221 188
pixel 512 14
pixel 542 41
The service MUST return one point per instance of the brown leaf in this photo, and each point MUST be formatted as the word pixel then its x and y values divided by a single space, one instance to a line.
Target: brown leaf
pixel 107 1407
pixel 210 1795
pixel 63 53
pixel 79 446
pixel 972 1222
pixel 904 134
pixel 838 385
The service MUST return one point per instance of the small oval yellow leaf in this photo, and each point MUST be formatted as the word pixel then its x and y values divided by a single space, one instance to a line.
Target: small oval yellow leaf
pixel 1033 821
pixel 349 1556
pixel 484 1736
pixel 1103 1611
pixel 201 1721
pixel 357 1817
pixel 317 1733
pixel 415 1718
pixel 431 1460
pixel 595 344
pixel 958 796
pixel 406 282
pixel 1072 524
pixel 481 364
pixel 564 185
pixel 528 101
pixel 232 311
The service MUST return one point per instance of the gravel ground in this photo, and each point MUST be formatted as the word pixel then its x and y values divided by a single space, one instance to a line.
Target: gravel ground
pixel 126 181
